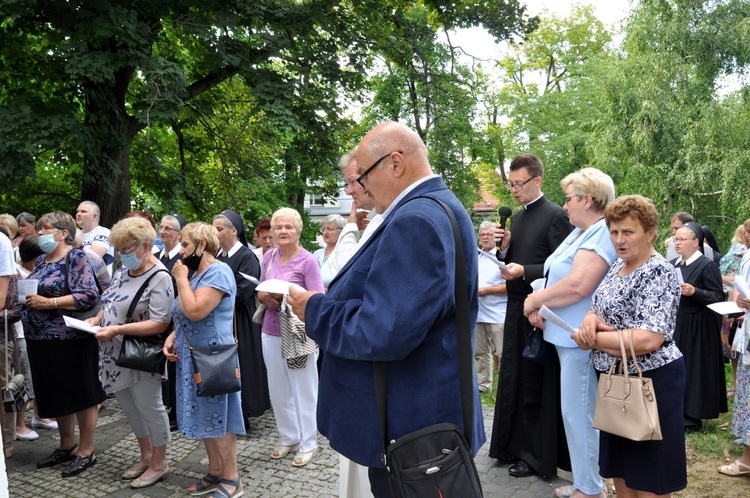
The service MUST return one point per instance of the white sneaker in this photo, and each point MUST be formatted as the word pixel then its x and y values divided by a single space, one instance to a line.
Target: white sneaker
pixel 38 424
pixel 31 436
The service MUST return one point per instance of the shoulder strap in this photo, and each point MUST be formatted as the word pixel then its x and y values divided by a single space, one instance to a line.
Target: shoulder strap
pixel 137 296
pixel 463 340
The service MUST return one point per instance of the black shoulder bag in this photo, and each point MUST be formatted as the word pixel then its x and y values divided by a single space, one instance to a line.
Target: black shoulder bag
pixel 436 460
pixel 142 352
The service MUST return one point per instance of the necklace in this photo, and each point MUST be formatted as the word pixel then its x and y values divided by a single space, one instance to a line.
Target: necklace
pixel 65 252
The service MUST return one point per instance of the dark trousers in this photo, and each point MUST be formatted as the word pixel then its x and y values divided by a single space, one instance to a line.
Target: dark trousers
pixel 379 484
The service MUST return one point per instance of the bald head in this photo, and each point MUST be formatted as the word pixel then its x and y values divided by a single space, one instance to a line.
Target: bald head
pixel 391 157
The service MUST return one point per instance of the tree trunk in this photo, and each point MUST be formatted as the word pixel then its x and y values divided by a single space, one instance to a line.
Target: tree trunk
pixel 106 160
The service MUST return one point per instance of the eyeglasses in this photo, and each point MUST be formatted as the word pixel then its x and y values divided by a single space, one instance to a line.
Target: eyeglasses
pixel 162 227
pixel 485 235
pixel 361 177
pixel 680 239
pixel 129 251
pixel 570 196
pixel 518 185
pixel 329 229
pixel 47 231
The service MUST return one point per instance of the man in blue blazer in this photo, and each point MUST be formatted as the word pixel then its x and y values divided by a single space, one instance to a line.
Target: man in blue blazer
pixel 394 301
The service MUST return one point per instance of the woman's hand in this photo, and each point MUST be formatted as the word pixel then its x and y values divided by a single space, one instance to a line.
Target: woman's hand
pixel 179 270
pixel 169 349
pixel 37 302
pixel 94 321
pixel 105 333
pixel 739 301
pixel 687 289
pixel 536 319
pixel 586 336
pixel 272 301
pixel 529 306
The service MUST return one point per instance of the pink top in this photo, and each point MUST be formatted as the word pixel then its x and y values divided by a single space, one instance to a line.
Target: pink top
pixel 303 270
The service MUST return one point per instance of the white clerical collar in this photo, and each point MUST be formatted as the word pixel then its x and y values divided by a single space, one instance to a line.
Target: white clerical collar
pixel 691 259
pixel 234 249
pixel 526 206
pixel 174 252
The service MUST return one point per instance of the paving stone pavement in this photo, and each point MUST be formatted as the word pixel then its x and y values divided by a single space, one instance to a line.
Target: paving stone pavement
pixel 117 449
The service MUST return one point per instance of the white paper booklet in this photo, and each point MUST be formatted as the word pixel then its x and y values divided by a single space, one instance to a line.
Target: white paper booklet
pixel 276 286
pixel 27 287
pixel 491 257
pixel 726 308
pixel 75 323
pixel 741 286
pixel 550 316
pixel 250 278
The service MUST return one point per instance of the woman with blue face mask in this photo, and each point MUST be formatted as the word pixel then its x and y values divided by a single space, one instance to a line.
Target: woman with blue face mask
pixel 64 364
pixel 138 392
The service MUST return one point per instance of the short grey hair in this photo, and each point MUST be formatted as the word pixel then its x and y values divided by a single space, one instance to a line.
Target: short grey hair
pixel 287 212
pixel 93 206
pixel 336 219
pixel 172 221
pixel 25 219
pixel 486 224
pixel 347 158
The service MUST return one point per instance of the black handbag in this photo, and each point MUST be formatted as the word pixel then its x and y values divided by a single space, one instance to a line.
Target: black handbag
pixel 216 368
pixel 138 352
pixel 436 461
pixel 537 349
pixel 15 394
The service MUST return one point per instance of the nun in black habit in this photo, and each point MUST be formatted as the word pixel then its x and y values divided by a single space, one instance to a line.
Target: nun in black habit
pixel 698 329
pixel 235 253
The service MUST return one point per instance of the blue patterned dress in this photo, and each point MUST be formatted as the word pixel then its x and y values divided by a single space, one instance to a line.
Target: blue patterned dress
pixel 213 416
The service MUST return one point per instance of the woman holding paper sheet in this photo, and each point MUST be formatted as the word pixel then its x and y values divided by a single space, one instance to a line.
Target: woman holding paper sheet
pixel 698 329
pixel 294 391
pixel 64 362
pixel 741 411
pixel 573 272
pixel 137 392
pixel 640 293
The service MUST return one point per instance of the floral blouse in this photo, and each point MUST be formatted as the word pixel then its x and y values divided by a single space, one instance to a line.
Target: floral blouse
pixel 50 324
pixel 730 262
pixel 645 299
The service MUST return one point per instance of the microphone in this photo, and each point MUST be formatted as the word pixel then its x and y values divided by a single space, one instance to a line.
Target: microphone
pixel 504 213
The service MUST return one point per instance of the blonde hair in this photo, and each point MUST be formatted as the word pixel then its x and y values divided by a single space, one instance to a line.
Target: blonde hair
pixel 135 229
pixel 592 183
pixel 286 212
pixel 739 235
pixel 199 231
pixel 9 222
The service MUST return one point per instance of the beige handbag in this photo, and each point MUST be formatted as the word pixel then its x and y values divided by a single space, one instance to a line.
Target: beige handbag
pixel 626 405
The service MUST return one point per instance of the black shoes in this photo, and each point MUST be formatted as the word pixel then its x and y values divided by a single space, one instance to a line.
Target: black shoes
pixel 521 469
pixel 57 456
pixel 78 465
pixel 507 460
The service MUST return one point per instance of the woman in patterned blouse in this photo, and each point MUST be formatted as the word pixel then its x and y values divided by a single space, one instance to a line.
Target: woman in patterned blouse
pixel 640 293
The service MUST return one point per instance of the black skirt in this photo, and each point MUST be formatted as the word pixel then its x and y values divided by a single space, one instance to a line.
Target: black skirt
pixel 65 374
pixel 658 467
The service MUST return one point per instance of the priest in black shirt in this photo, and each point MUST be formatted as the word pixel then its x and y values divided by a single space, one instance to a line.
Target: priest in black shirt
pixel 527 429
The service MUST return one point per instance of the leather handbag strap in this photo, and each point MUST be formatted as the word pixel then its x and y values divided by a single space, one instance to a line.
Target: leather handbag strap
pixel 137 296
pixel 463 340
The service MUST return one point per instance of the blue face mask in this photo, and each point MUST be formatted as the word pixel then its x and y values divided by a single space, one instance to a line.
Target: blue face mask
pixel 47 242
pixel 131 261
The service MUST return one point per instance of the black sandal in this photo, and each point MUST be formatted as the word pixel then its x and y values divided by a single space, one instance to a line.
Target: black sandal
pixel 78 465
pixel 57 456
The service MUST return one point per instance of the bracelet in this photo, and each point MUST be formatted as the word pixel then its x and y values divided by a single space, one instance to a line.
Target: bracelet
pixel 54 301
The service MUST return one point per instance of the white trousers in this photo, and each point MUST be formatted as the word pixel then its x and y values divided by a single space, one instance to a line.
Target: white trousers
pixel 294 396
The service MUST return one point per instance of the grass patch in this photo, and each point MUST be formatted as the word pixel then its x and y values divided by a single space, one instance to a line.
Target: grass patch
pixel 714 441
